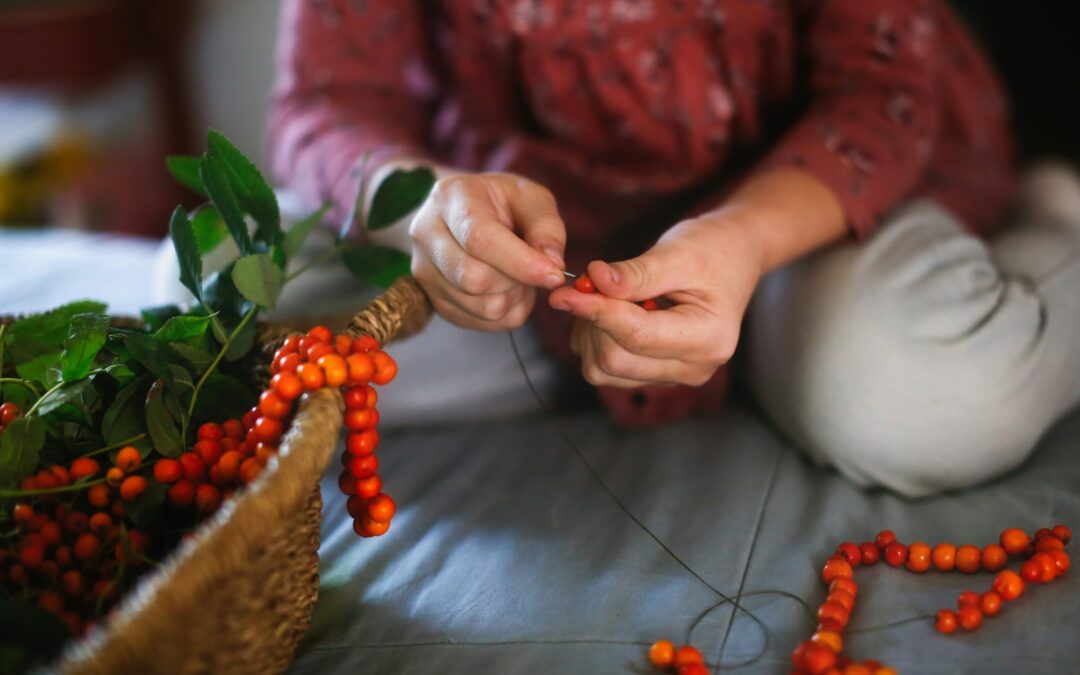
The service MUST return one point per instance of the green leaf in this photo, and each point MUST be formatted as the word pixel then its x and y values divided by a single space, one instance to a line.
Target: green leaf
pixel 249 186
pixel 242 343
pixel 187 251
pixel 377 265
pixel 17 394
pixel 163 430
pixel 72 393
pixel 155 317
pixel 298 233
pixel 223 397
pixel 39 367
pixel 198 359
pixel 145 508
pixel 19 449
pixel 209 228
pixel 36 342
pixel 152 354
pixel 258 279
pixel 186 172
pixel 221 193
pixel 122 418
pixel 184 327
pixel 85 339
pixel 28 635
pixel 399 194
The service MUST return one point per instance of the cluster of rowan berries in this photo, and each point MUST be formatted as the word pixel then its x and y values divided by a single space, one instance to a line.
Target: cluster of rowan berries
pixel 685 660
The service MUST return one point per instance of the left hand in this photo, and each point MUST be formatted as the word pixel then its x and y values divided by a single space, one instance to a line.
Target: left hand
pixel 706 268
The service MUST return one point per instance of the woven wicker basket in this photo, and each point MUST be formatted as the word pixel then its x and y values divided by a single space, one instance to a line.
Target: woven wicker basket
pixel 237 597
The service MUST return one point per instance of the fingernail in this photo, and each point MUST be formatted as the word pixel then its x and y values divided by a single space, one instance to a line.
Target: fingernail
pixel 554 280
pixel 555 255
pixel 615 276
pixel 561 306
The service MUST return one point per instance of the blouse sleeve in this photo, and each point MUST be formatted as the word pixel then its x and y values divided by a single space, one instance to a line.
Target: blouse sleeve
pixel 875 111
pixel 354 77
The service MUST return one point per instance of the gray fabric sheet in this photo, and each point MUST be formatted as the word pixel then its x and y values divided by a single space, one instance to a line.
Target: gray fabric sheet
pixel 506 558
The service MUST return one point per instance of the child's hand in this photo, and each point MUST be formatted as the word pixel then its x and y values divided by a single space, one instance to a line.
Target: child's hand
pixel 482 243
pixel 706 269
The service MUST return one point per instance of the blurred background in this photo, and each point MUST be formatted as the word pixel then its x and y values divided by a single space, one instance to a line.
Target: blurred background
pixel 94 94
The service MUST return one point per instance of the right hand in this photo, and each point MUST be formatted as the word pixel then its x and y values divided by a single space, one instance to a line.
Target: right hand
pixel 482 244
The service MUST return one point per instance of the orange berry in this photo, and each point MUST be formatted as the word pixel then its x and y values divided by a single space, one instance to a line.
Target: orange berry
pixel 210 431
pixel 250 469
pixel 83 467
pixel 844 584
pixel 1015 541
pixel 835 611
pixel 100 523
pixel 372 396
pixel 895 554
pixel 114 476
pixel 365 418
pixel 662 654
pixel 311 375
pixel 288 386
pixel 1046 563
pixel 850 552
pixel 968 598
pixel 945 621
pixel 86 546
pixel 291 344
pixel 818 659
pixel 207 497
pixel 264 451
pixel 994 558
pixel 686 655
pixel 990 603
pixel 369 528
pixel 362 443
pixel 944 557
pixel 335 369
pixel 194 466
pixel 364 344
pixel 234 428
pixel 871 554
pixel 168 471
pixel 342 344
pixel 836 566
pixel 229 465
pixel 1009 585
pixel 918 560
pixel 23 513
pixel 1061 560
pixel 31 556
pixel 829 639
pixel 71 582
pixel 361 466
pixel 128 459
pixel 843 597
pixel 317 351
pixel 356 398
pixel 884 538
pixel 361 368
pixel 182 493
pixel 98 495
pixel 1049 544
pixel 385 368
pixel 369 487
pixel 272 405
pixel 321 333
pixel 968 559
pixel 268 429
pixel 381 508
pixel 1063 533
pixel 132 487
pixel 970 617
pixel 63 477
pixel 209 449
pixel 347 484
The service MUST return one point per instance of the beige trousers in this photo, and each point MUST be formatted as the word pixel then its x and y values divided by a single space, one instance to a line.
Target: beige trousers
pixel 925 359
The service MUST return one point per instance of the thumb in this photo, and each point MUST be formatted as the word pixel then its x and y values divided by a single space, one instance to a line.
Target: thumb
pixel 650 275
pixel 537 219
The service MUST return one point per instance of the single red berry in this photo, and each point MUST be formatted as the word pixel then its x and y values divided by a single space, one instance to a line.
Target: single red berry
pixel 210 431
pixel 944 557
pixel 970 616
pixel 836 567
pixel 1049 568
pixel 687 654
pixel 361 466
pixel 584 284
pixel 968 598
pixel 1031 571
pixel 968 559
pixel 994 558
pixel 870 553
pixel 83 467
pixel 272 405
pixel 385 368
pixel 365 344
pixel 287 385
pixel 321 333
pixel 168 471
pixel 831 609
pixel 114 476
pixel 1063 533
pixel 250 469
pixel 207 497
pixel 1015 541
pixel 233 429
pixel 209 449
pixel 317 351
pixel 945 621
pixel 850 552
pixel 342 344
pixel 86 546
pixel 356 398
pixel 128 459
pixel 819 659
pixel 9 412
pixel 366 527
pixel 844 584
pixel 62 476
pixel 369 487
pixel 359 420
pixel 361 368
pixel 1009 585
pixel 182 493
pixel 990 603
pixel 918 559
pixel 662 654
pixel 311 375
pixel 31 556
pixel 229 465
pixel 194 466
pixel 23 514
pixel 268 429
pixel 381 508
pixel 362 443
pixel 132 487
pixel 71 582
pixel 335 369
pixel 843 597
pixel 100 523
pixel 895 554
pixel 98 495
pixel 884 538
pixel 356 506
pixel 650 305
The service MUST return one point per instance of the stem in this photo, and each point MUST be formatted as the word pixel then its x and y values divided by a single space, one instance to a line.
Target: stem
pixel 49 491
pixel 217 359
pixel 326 255
pixel 15 380
pixel 114 446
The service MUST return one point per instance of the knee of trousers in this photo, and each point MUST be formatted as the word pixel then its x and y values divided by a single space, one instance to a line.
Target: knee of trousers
pixel 846 363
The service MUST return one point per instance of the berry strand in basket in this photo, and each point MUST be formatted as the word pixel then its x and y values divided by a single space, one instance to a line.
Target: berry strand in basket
pixel 322 359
